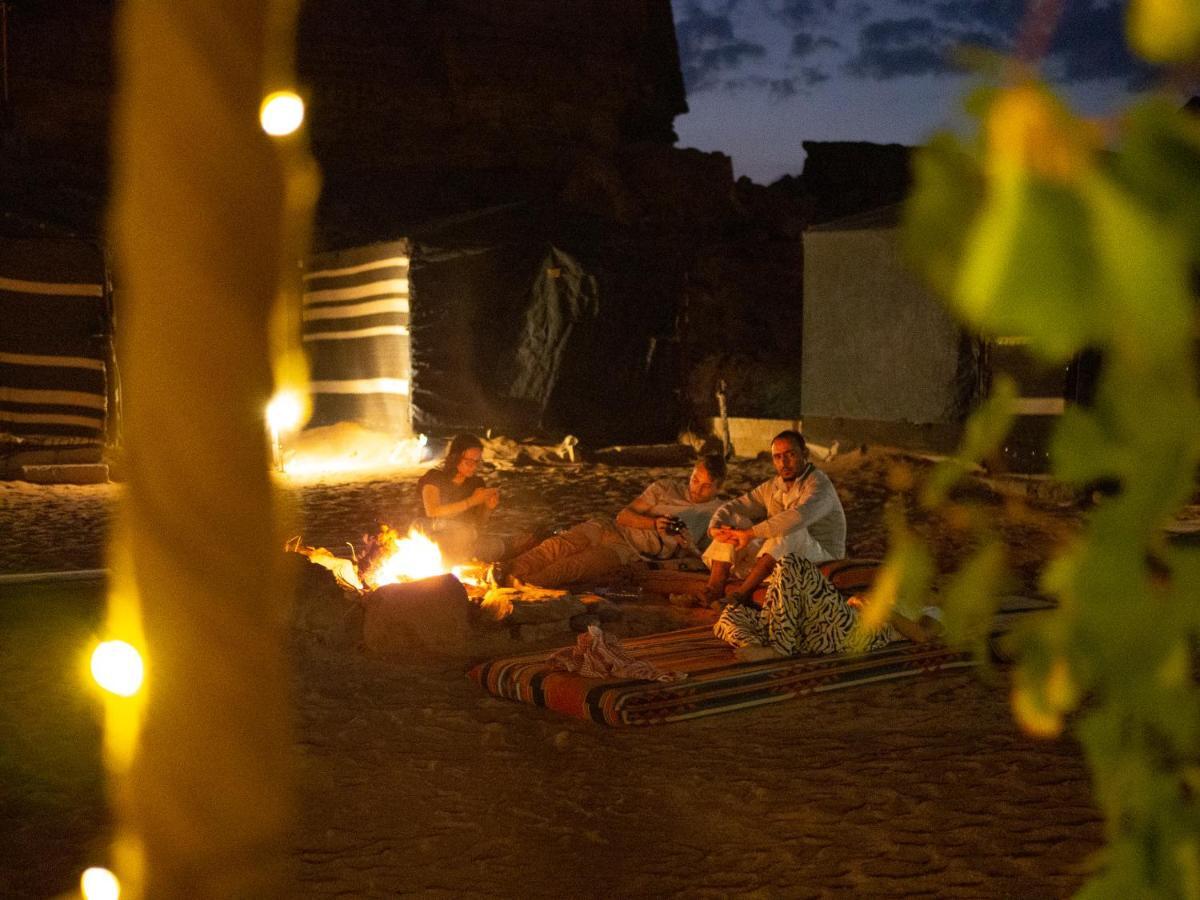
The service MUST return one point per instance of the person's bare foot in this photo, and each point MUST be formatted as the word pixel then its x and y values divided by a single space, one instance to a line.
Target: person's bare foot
pixel 713 593
pixel 755 653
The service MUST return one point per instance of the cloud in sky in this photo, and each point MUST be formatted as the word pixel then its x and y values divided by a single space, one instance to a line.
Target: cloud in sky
pixel 709 48
pixel 805 44
pixel 765 75
pixel 795 46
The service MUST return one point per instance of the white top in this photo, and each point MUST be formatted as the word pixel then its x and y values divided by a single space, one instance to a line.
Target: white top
pixel 669 497
pixel 811 502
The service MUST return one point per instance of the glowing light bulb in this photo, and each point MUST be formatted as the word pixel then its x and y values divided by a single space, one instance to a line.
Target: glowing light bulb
pixel 284 411
pixel 99 884
pixel 281 113
pixel 117 667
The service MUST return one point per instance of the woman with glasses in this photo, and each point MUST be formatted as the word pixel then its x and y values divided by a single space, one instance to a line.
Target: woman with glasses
pixel 457 504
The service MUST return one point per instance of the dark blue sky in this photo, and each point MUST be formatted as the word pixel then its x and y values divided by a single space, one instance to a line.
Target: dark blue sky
pixel 764 75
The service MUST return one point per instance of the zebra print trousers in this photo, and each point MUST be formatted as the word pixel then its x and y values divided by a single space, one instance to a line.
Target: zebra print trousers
pixel 803 614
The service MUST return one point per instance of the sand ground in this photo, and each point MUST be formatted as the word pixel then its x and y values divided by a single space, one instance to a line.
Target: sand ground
pixel 414 782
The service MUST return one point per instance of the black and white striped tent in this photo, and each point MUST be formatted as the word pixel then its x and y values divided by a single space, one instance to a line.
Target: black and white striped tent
pixel 356 335
pixel 55 329
pixel 516 318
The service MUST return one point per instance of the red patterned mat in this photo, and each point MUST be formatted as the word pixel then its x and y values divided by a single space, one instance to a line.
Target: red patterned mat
pixel 848 575
pixel 717 682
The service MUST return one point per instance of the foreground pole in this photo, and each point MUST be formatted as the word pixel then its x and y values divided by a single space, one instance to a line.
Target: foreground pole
pixel 201 758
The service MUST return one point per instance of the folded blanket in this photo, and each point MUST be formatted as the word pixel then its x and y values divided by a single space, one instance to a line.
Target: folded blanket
pixel 598 655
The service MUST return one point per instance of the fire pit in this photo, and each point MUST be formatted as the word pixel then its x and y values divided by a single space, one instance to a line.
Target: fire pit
pixel 411 600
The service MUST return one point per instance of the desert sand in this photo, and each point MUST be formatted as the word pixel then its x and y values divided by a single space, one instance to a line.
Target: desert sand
pixel 412 781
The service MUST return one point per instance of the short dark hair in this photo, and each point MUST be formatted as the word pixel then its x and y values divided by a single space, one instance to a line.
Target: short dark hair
pixel 795 437
pixel 459 445
pixel 714 465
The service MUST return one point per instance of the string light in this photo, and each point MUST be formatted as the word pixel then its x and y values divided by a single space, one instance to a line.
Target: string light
pixel 281 113
pixel 117 667
pixel 285 412
pixel 99 884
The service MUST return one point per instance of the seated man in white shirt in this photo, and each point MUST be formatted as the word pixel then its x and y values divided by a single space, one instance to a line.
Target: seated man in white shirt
pixel 669 519
pixel 797 511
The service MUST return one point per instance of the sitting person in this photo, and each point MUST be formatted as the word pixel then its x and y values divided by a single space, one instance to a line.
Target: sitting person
pixel 457 504
pixel 797 512
pixel 666 520
pixel 803 613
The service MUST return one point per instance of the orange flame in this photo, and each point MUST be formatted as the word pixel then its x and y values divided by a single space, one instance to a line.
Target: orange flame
pixel 404 559
pixel 395 559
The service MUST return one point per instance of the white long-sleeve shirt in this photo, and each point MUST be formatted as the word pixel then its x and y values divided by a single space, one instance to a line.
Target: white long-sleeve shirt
pixel 775 509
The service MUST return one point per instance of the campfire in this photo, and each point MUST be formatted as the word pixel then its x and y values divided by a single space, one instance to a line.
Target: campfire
pixel 392 558
pixel 401 580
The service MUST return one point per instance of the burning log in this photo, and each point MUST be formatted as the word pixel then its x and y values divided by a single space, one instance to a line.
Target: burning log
pixel 344 570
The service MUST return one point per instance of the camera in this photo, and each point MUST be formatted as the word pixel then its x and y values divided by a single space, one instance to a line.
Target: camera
pixel 675 525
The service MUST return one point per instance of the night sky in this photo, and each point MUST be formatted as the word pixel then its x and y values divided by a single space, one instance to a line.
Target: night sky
pixel 764 75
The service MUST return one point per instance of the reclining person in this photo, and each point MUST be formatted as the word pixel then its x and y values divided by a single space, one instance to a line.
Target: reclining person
pixel 796 512
pixel 803 613
pixel 667 520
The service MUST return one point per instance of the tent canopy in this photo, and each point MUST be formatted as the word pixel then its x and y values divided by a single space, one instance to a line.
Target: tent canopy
pixel 526 319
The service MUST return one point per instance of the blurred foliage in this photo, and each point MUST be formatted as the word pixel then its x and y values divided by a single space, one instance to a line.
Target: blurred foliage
pixel 1078 236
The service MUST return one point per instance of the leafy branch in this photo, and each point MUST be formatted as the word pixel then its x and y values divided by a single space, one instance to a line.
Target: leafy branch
pixel 1077 236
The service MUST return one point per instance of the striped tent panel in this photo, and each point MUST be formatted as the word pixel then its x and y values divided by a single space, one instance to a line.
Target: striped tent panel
pixel 53 343
pixel 356 335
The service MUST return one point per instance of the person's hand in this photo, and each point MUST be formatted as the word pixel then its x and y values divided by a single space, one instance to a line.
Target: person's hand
pixel 489 497
pixel 660 525
pixel 739 537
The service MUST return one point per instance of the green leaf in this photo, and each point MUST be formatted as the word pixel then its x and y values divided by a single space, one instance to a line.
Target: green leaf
pixel 1028 268
pixel 971 597
pixel 983 434
pixel 1159 162
pixel 1081 450
pixel 947 191
pixel 1142 273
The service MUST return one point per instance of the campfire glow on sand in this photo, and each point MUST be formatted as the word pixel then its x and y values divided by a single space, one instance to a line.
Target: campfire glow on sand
pixel 407 453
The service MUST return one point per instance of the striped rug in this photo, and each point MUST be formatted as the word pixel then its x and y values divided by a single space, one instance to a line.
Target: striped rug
pixel 850 576
pixel 717 682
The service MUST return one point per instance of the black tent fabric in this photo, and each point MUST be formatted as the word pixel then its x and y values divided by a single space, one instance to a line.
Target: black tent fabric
pixel 54 343
pixel 356 335
pixel 530 319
